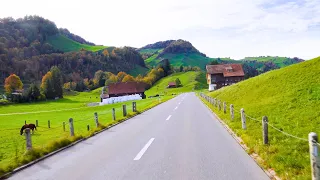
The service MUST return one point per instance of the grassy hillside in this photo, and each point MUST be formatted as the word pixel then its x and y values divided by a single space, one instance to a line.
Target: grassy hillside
pixel 279 61
pixel 190 80
pixel 66 45
pixel 290 97
pixel 12 144
pixel 138 70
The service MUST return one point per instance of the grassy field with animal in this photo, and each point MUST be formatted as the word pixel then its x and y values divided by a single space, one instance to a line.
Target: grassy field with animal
pixel 45 139
pixel 290 97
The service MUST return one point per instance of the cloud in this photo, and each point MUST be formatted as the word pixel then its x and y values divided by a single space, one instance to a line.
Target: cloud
pixel 228 28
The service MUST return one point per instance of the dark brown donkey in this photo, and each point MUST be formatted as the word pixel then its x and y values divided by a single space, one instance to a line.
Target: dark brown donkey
pixel 30 126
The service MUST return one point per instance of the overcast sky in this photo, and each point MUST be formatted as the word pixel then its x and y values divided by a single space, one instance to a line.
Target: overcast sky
pixel 218 28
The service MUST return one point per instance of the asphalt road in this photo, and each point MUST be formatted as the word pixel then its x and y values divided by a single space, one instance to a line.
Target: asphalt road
pixel 179 139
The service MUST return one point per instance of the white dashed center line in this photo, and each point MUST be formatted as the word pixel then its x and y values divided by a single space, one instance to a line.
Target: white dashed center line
pixel 143 150
pixel 168 117
pixel 176 108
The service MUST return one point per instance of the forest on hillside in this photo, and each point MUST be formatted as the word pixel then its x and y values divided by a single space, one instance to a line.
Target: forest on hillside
pixel 25 52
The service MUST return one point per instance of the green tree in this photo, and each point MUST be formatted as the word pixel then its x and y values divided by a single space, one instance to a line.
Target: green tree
pixel 57 81
pixel 33 92
pixel 178 82
pixel 181 68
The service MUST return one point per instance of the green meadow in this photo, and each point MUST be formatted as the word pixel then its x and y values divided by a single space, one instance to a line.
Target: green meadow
pixel 290 98
pixel 12 118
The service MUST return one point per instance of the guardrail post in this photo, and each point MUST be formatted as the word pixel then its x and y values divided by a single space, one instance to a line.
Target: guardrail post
pixel 224 107
pixel 243 119
pixel 134 107
pixel 113 114
pixel 71 127
pixel 64 126
pixel 124 108
pixel 28 139
pixel 48 123
pixel 88 127
pixel 219 105
pixel 265 129
pixel 231 111
pixel 96 119
pixel 313 148
pixel 37 124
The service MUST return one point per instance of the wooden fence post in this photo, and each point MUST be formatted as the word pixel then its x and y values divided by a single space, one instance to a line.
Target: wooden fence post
pixel 113 114
pixel 64 126
pixel 225 107
pixel 231 111
pixel 124 109
pixel 71 127
pixel 265 129
pixel 48 123
pixel 96 119
pixel 219 105
pixel 243 119
pixel 25 122
pixel 28 139
pixel 88 127
pixel 37 124
pixel 134 107
pixel 313 148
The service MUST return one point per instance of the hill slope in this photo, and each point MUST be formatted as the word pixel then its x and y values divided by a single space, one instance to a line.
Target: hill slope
pixel 65 44
pixel 290 97
pixel 179 52
pixel 190 80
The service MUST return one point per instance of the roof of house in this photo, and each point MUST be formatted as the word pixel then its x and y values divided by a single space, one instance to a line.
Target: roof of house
pixel 236 69
pixel 126 87
pixel 172 83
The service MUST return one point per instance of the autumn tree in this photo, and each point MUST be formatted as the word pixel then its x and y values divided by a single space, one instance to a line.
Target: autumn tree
pixel 121 75
pixel 112 79
pixel 128 78
pixel 12 83
pixel 57 81
pixel 105 52
pixel 47 86
pixel 99 78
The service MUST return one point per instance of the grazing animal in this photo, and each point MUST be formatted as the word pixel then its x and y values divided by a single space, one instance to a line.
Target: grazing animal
pixel 30 126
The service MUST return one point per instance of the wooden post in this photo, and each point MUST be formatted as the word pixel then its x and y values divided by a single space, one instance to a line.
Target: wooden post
pixel 64 126
pixel 113 114
pixel 225 107
pixel 124 109
pixel 243 119
pixel 28 139
pixel 231 111
pixel 313 148
pixel 134 107
pixel 96 119
pixel 48 123
pixel 88 127
pixel 37 124
pixel 215 102
pixel 25 122
pixel 71 127
pixel 265 129
pixel 219 105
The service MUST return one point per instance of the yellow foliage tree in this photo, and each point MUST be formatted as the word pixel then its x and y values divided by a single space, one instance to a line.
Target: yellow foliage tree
pixel 128 78
pixel 12 83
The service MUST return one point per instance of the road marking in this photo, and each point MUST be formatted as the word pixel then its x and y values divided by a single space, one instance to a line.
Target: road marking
pixel 143 150
pixel 176 108
pixel 168 117
pixel 179 103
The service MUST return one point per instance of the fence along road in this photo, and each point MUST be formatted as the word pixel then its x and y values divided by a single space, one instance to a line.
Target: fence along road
pixel 190 145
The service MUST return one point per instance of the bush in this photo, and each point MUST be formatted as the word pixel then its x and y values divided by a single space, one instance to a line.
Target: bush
pixel 4 102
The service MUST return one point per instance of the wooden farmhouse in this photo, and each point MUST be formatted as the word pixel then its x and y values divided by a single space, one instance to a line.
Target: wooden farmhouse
pixel 124 89
pixel 171 85
pixel 223 75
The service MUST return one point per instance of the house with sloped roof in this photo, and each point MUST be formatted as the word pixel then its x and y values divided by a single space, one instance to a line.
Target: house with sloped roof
pixel 124 89
pixel 172 85
pixel 222 75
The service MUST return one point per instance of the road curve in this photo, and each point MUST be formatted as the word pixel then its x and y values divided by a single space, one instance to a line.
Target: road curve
pixel 179 139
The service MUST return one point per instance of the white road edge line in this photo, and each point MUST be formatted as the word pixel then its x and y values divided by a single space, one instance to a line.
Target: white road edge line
pixel 168 117
pixel 143 150
pixel 176 108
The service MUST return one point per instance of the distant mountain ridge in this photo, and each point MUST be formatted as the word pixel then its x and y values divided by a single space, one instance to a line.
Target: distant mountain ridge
pixel 183 53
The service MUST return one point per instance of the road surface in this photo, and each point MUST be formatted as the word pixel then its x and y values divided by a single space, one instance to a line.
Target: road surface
pixel 179 139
